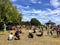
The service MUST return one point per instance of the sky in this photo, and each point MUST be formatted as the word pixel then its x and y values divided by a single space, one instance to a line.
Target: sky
pixel 42 10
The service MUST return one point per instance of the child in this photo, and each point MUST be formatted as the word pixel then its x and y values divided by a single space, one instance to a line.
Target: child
pixel 10 37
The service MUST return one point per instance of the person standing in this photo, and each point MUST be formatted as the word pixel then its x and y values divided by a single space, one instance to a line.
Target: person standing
pixel 41 30
pixel 5 27
pixel 47 30
pixel 58 31
pixel 50 29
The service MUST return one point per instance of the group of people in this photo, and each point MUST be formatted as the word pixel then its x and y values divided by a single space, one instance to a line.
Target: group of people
pixel 50 31
pixel 58 30
pixel 16 35
pixel 18 31
pixel 39 32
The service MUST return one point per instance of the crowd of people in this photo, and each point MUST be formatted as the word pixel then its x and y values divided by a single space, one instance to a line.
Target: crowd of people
pixel 16 36
pixel 49 30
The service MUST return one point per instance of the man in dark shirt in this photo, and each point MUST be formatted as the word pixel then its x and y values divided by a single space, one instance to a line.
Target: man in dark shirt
pixel 17 35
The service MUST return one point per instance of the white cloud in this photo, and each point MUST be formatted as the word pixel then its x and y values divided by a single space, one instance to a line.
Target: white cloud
pixel 55 3
pixel 39 2
pixel 33 1
pixel 45 12
pixel 25 18
pixel 22 7
pixel 41 15
pixel 44 15
pixel 26 7
pixel 36 1
pixel 55 12
pixel 13 0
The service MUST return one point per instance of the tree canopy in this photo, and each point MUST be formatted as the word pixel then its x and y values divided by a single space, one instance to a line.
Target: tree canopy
pixel 35 22
pixel 9 13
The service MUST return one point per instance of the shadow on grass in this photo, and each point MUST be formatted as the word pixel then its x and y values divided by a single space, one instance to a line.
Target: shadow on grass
pixel 56 36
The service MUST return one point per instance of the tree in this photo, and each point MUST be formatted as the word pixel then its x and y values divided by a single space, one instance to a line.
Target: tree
pixel 35 22
pixel 9 13
pixel 27 23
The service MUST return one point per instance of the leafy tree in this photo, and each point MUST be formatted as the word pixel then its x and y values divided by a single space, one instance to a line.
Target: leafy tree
pixel 9 13
pixel 35 22
pixel 27 23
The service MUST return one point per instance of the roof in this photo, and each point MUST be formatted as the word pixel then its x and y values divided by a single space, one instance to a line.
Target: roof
pixel 50 22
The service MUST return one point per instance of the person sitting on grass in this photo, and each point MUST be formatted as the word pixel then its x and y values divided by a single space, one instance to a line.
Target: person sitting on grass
pixel 20 31
pixel 10 37
pixel 17 36
pixel 34 30
pixel 30 35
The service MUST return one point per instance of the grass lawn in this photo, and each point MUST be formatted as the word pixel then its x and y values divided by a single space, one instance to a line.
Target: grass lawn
pixel 44 40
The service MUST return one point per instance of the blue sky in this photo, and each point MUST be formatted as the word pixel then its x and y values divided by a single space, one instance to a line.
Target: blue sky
pixel 43 10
